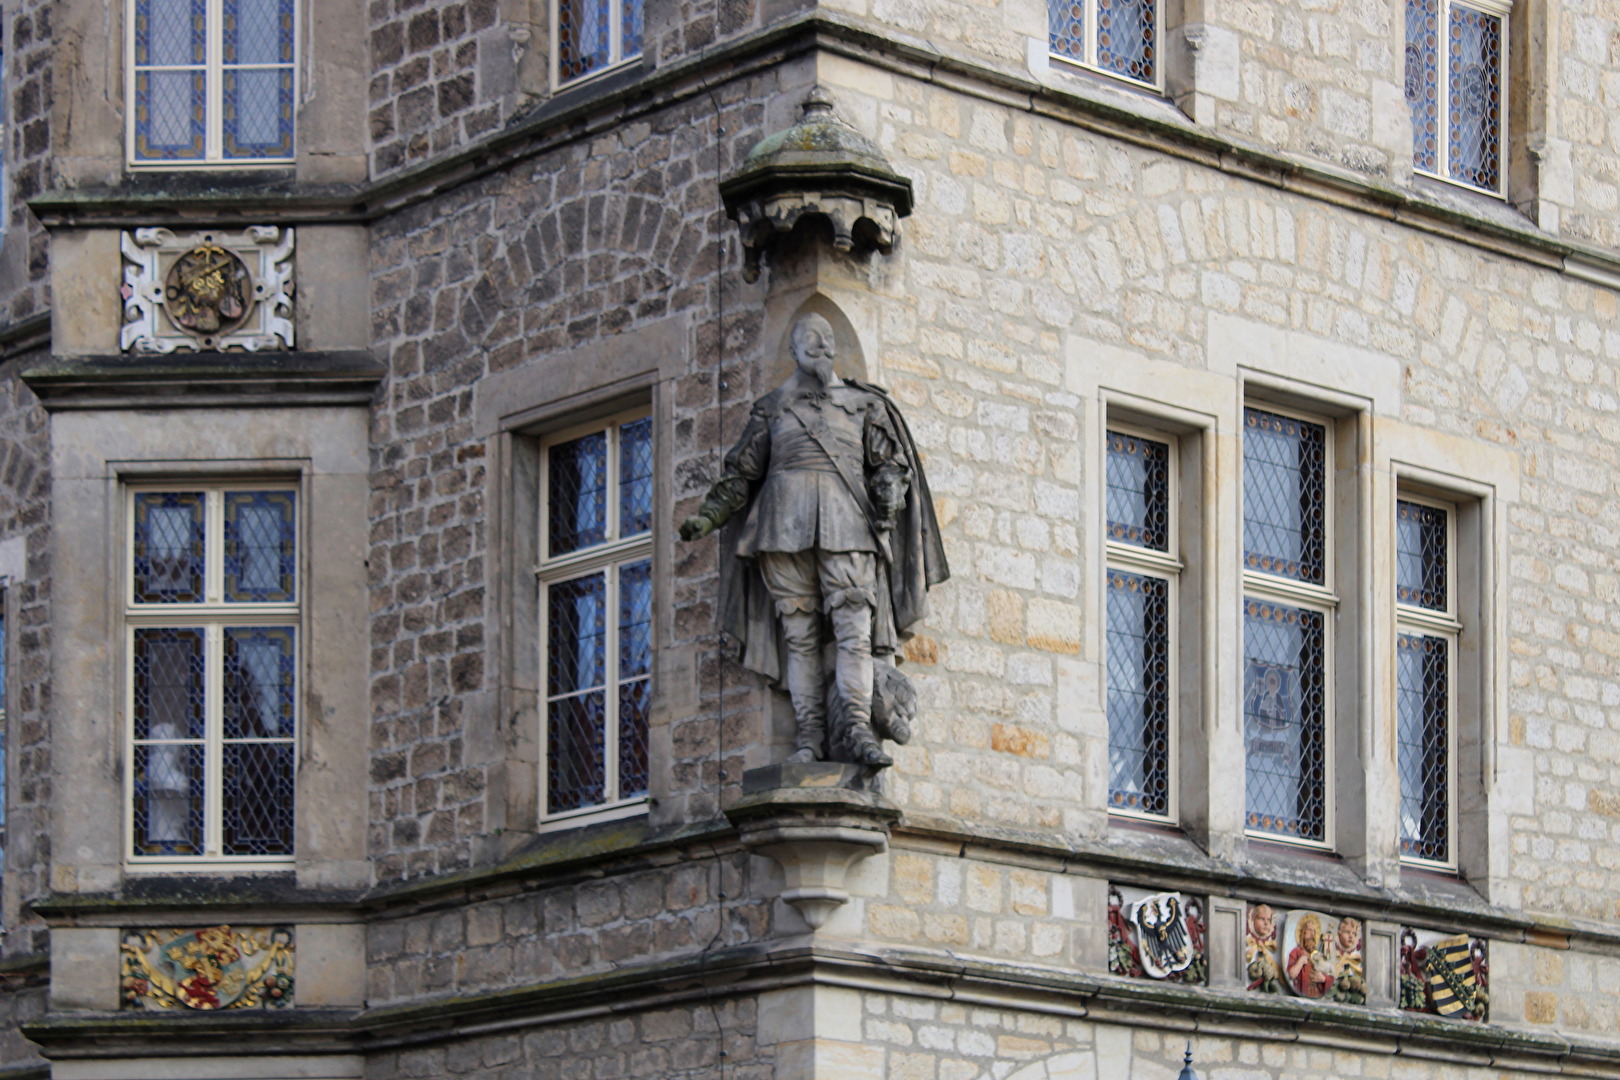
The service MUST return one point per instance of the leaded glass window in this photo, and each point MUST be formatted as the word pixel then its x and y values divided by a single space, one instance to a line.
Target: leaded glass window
pixel 213 618
pixel 596 606
pixel 1140 600
pixel 1287 610
pixel 1456 88
pixel 211 81
pixel 595 35
pixel 1425 645
pixel 1118 37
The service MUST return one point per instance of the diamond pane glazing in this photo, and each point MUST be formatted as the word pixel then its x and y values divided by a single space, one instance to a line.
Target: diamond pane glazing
pixel 576 765
pixel 259 679
pixel 261 549
pixel 635 477
pixel 1474 98
pixel 1423 81
pixel 170 691
pixel 1423 695
pixel 577 494
pixel 1284 496
pixel 257 779
pixel 1284 719
pixel 1066 27
pixel 258 31
pixel 630 30
pixel 1420 555
pixel 1138 693
pixel 1138 491
pixel 634 701
pixel 584 39
pixel 170 115
pixel 170 32
pixel 635 619
pixel 1126 35
pixel 168 799
pixel 258 113
pixel 170 559
pixel 576 633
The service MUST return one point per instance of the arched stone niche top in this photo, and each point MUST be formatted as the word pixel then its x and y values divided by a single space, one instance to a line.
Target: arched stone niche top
pixel 851 362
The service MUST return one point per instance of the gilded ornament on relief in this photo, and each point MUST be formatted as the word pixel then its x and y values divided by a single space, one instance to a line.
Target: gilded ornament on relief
pixel 215 967
pixel 208 291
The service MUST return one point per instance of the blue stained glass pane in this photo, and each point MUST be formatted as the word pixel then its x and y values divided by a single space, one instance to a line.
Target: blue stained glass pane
pixel 169 548
pixel 584 37
pixel 635 477
pixel 576 634
pixel 1138 491
pixel 170 32
pixel 1138 693
pixel 1066 28
pixel 1126 38
pixel 1284 496
pixel 1423 80
pixel 1422 706
pixel 170 115
pixel 1284 713
pixel 258 31
pixel 261 549
pixel 258 113
pixel 257 798
pixel 634 703
pixel 169 683
pixel 577 495
pixel 1474 98
pixel 168 799
pixel 635 619
pixel 630 31
pixel 576 765
pixel 259 683
pixel 1420 555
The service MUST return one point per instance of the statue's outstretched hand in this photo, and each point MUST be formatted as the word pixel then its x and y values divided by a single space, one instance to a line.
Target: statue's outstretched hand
pixel 696 527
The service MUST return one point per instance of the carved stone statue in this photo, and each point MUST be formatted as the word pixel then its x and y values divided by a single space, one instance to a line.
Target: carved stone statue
pixel 838 545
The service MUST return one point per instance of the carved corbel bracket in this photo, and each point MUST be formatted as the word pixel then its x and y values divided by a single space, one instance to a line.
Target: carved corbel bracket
pixel 819 167
pixel 816 826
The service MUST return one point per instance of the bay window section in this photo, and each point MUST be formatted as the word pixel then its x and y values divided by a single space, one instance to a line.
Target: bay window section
pixel 1116 37
pixel 1143 566
pixel 1287 621
pixel 595 580
pixel 213 637
pixel 1456 88
pixel 595 35
pixel 1425 646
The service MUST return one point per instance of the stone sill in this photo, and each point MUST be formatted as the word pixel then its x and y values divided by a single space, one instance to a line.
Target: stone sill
pixel 264 897
pixel 639 90
pixel 205 379
pixel 69 1035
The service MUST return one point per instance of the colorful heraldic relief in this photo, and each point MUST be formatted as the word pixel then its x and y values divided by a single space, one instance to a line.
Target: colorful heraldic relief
pixel 1156 935
pixel 1444 974
pixel 1307 953
pixel 214 967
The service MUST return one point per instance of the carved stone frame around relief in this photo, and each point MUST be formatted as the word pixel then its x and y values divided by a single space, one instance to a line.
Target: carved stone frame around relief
pixel 150 256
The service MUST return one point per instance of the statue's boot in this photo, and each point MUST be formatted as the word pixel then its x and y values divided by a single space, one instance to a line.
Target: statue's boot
pixel 852 628
pixel 806 680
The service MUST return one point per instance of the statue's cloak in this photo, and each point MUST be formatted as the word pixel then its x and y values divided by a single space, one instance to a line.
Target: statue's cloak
pixel 749 615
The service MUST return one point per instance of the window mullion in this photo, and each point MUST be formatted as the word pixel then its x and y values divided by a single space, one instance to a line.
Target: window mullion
pixel 214 38
pixel 1442 91
pixel 610 692
pixel 213 731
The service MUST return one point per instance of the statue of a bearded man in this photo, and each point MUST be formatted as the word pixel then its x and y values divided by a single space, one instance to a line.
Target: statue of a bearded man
pixel 838 544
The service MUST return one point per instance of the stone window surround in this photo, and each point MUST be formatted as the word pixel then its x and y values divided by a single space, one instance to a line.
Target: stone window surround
pixel 1205 410
pixel 1059 62
pixel 619 63
pixel 1499 9
pixel 95 457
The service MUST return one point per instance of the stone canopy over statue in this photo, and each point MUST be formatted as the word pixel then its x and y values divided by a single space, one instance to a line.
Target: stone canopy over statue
pixel 830 545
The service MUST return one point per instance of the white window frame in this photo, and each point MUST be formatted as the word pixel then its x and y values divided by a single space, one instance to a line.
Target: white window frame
pixel 1273 589
pixel 1429 622
pixel 606 557
pixel 1090 65
pixel 1495 9
pixel 213 616
pixel 1166 566
pixel 213 95
pixel 616 54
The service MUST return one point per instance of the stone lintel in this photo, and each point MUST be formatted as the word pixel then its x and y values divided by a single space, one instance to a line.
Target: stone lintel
pixel 206 380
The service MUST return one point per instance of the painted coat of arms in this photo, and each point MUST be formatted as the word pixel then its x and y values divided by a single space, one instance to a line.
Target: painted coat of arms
pixel 1156 935
pixel 214 967
pixel 1445 974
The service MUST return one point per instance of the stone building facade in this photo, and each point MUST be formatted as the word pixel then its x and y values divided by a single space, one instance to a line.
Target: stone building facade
pixel 464 253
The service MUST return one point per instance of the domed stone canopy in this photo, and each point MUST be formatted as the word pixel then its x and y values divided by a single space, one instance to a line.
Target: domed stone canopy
pixel 818 167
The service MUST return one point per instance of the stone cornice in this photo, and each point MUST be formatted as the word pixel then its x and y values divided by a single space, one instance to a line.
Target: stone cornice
pixel 206 380
pixel 639 91
pixel 923 973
